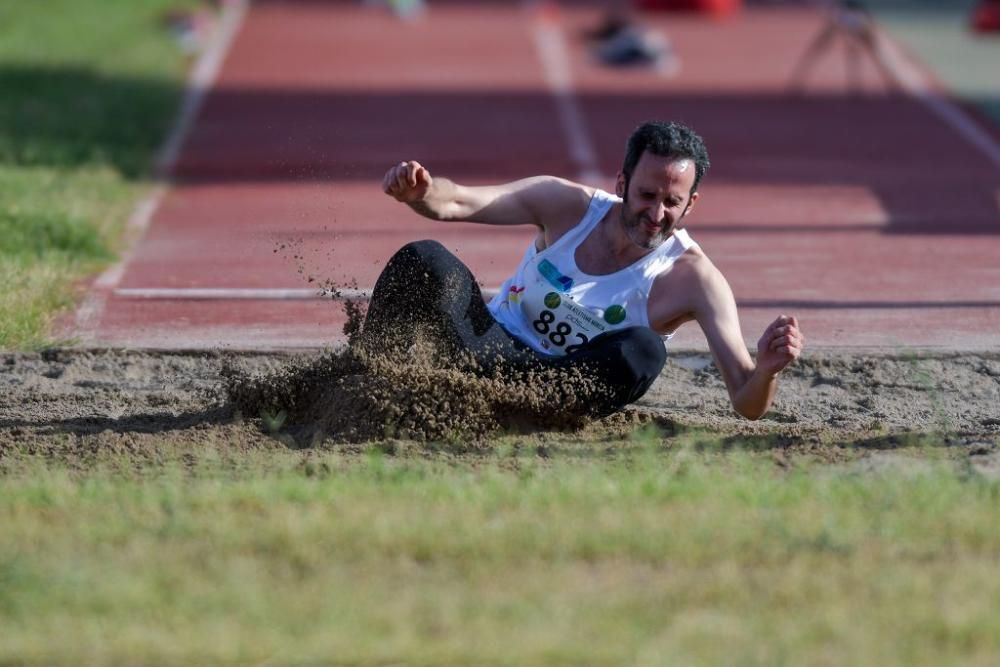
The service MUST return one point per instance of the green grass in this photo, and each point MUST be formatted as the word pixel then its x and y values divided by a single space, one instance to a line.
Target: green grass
pixel 89 88
pixel 680 556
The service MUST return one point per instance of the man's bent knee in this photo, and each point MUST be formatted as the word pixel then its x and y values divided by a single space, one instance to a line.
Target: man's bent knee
pixel 424 248
pixel 627 362
pixel 635 351
pixel 647 345
pixel 642 357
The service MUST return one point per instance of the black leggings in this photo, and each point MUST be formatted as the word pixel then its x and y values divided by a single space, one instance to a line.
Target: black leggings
pixel 426 288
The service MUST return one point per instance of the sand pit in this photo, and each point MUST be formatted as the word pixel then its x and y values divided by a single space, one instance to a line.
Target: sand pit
pixel 72 403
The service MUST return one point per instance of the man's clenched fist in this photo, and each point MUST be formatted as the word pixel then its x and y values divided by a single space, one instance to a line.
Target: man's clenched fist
pixel 407 182
pixel 780 345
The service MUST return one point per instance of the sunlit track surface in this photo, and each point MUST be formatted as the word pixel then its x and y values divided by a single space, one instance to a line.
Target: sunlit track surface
pixel 868 215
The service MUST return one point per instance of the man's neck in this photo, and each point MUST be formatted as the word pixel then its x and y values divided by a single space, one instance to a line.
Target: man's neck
pixel 620 246
pixel 609 249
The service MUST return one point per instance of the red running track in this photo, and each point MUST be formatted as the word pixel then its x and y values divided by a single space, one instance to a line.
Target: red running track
pixel 869 216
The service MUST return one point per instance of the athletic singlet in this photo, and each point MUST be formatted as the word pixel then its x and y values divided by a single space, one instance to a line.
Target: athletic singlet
pixel 554 307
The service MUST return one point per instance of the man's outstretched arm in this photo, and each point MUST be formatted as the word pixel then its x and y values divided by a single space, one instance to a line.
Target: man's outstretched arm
pixel 541 200
pixel 751 385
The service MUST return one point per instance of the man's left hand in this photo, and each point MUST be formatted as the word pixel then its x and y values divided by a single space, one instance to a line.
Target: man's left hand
pixel 780 345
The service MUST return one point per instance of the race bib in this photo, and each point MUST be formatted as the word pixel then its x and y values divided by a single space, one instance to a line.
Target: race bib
pixel 559 324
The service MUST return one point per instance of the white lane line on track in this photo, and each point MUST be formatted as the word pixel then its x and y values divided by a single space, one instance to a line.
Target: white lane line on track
pixel 202 77
pixel 250 293
pixel 554 55
pixel 88 316
pixel 137 223
pixel 915 82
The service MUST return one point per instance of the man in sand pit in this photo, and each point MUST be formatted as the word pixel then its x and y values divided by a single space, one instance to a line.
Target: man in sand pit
pixel 606 280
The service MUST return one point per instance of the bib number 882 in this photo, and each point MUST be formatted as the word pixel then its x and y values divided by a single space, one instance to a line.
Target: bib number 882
pixel 557 336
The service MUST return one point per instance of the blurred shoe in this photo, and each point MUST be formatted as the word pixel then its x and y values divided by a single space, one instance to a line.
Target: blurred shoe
pixel 632 48
pixel 610 28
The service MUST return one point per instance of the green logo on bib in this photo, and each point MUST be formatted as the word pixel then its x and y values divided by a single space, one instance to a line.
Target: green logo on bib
pixel 614 314
pixel 552 300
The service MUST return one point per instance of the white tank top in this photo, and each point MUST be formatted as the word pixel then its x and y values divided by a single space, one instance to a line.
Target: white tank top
pixel 554 307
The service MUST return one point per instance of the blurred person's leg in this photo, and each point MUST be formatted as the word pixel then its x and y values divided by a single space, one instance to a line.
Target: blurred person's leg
pixel 852 54
pixel 811 55
pixel 870 43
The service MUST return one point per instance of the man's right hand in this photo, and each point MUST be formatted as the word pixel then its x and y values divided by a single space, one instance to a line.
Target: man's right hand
pixel 407 182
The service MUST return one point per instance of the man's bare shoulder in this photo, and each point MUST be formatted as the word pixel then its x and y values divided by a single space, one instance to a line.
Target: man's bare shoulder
pixel 558 205
pixel 680 293
pixel 702 277
pixel 693 267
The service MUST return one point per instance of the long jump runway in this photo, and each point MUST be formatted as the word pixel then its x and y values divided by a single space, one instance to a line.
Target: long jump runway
pixel 875 218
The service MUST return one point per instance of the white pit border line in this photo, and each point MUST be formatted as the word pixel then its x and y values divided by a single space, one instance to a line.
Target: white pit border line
pixel 88 316
pixel 916 82
pixel 554 56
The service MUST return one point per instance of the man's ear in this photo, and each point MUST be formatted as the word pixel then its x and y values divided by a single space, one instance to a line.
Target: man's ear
pixel 691 203
pixel 620 185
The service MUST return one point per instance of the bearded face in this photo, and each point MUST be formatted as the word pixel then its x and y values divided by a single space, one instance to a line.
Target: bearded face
pixel 655 199
pixel 643 230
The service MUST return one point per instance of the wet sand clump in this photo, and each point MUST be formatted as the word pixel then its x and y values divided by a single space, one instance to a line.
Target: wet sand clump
pixel 354 396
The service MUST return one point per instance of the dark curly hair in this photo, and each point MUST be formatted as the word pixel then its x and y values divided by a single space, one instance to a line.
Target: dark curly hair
pixel 671 140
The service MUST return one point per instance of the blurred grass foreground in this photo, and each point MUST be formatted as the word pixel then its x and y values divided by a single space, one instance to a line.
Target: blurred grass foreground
pixel 88 89
pixel 660 556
